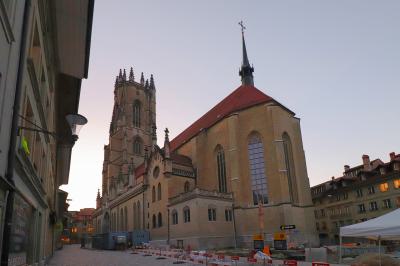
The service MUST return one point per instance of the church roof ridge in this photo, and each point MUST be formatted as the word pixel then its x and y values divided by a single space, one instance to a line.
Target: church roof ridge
pixel 242 98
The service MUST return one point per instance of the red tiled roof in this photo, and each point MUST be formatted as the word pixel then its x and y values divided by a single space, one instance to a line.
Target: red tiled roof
pixel 243 97
pixel 140 170
pixel 181 159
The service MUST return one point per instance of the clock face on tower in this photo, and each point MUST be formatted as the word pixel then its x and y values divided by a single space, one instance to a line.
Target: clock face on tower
pixel 156 171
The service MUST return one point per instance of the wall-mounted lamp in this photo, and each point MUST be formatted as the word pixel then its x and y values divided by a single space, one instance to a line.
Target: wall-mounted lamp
pixel 75 121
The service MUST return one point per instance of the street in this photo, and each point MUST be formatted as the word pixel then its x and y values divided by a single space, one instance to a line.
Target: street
pixel 74 255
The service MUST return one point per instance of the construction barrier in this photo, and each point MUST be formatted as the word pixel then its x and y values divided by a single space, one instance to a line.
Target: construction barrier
pixel 218 259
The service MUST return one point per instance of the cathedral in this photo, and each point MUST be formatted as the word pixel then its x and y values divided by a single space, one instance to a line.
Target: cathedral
pixel 236 172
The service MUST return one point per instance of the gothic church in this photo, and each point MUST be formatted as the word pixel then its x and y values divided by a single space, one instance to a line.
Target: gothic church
pixel 238 171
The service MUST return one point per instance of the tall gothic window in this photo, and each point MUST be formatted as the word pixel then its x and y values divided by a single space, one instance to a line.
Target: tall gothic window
pixel 290 170
pixel 137 146
pixel 154 221
pixel 257 170
pixel 121 220
pixel 126 219
pixel 153 194
pixel 186 214
pixel 174 217
pixel 139 223
pixel 134 216
pixel 221 171
pixel 136 114
pixel 159 192
pixel 159 219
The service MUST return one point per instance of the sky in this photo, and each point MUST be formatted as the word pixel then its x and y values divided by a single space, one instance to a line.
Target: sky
pixel 336 64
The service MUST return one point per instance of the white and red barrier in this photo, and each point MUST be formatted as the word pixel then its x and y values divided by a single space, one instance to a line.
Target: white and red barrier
pixel 218 259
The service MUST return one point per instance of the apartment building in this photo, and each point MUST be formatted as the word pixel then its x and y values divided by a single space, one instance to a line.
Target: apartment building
pixel 363 192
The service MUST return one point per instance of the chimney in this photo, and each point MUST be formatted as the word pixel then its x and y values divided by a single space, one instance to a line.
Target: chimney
pixel 333 178
pixel 346 168
pixel 392 156
pixel 366 162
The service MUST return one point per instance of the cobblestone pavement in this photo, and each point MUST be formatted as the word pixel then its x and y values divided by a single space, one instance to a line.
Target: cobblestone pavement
pixel 73 255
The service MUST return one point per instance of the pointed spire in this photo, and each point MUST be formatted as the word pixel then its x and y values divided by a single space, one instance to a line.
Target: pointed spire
pixel 142 79
pixel 152 86
pixel 98 193
pixel 167 148
pixel 116 82
pixel 246 71
pixel 124 76
pixel 120 74
pixel 131 76
pixel 146 84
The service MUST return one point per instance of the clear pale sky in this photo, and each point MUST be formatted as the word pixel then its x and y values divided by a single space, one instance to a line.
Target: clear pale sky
pixel 336 64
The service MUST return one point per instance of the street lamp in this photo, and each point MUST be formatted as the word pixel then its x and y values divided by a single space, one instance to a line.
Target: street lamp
pixel 75 122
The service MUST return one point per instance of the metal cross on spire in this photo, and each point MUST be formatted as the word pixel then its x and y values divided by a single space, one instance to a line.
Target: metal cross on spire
pixel 242 26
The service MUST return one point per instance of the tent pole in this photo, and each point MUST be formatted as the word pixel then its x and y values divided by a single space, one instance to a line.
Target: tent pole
pixel 340 248
pixel 379 246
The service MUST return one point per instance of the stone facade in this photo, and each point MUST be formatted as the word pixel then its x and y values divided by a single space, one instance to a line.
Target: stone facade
pixel 363 192
pixel 45 58
pixel 203 188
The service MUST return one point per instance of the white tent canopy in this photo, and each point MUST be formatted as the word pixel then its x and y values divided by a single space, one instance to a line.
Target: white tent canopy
pixel 384 227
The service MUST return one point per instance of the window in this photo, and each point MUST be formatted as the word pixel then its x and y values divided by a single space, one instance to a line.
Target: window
pixel 174 217
pixel 345 195
pixel 137 146
pixel 136 114
pixel 187 186
pixel 396 183
pixel 373 206
pixel 159 219
pixel 387 204
pixel 228 215
pixel 384 187
pixel 221 171
pixel 317 226
pixel 322 213
pixel 156 172
pixel 371 190
pixel 257 170
pixel 186 214
pixel 153 194
pixel 316 213
pixel 154 221
pixel 159 192
pixel 361 208
pixel 212 214
pixel 359 193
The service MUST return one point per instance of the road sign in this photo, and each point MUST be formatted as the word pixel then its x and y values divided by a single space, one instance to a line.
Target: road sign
pixel 288 226
pixel 290 262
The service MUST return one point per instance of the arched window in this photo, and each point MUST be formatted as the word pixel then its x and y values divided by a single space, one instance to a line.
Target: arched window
pixel 134 216
pixel 174 217
pixel 121 220
pixel 153 194
pixel 159 219
pixel 257 169
pixel 139 223
pixel 290 169
pixel 212 213
pixel 187 186
pixel 159 191
pixel 137 146
pixel 186 214
pixel 126 218
pixel 221 171
pixel 136 114
pixel 154 221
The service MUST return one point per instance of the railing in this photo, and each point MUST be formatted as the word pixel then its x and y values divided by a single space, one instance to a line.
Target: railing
pixel 200 192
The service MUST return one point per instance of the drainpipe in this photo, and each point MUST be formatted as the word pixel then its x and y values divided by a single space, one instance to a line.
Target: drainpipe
pixel 13 137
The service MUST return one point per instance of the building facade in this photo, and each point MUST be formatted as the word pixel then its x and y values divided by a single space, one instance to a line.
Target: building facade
pixel 363 192
pixel 205 188
pixel 46 54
